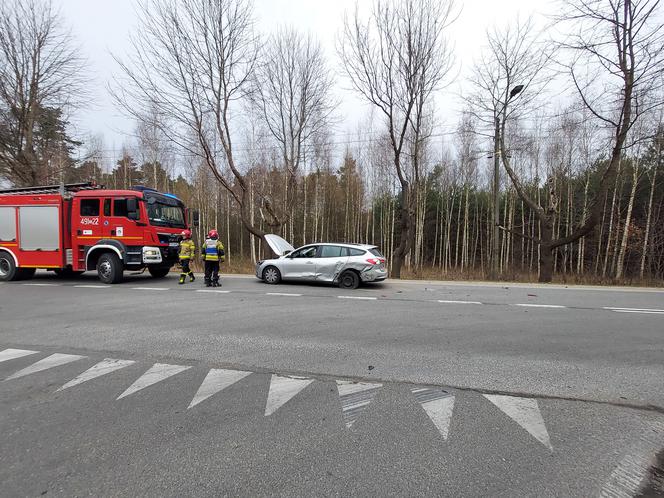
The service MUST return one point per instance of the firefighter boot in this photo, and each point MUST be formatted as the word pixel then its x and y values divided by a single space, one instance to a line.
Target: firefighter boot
pixel 191 276
pixel 182 276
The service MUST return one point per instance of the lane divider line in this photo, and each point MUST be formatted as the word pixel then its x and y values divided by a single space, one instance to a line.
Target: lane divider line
pixel 613 308
pixel 215 291
pixel 643 312
pixel 530 305
pixel 42 285
pixel 286 294
pixel 444 301
pixel 363 298
pixel 90 286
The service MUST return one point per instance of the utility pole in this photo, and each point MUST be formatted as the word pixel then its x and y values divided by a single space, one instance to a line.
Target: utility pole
pixel 495 249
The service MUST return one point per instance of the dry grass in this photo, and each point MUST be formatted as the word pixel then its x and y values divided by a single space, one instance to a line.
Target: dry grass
pixel 432 273
pixel 240 266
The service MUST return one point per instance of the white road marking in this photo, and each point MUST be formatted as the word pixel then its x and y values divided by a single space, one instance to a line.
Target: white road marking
pixel 354 398
pixel 438 405
pixel 43 285
pixel 525 412
pixel 442 301
pixel 156 373
pixel 529 305
pixel 10 354
pixel 93 286
pixel 282 389
pixel 641 312
pixel 214 291
pixel 651 310
pixel 55 360
pixel 364 298
pixel 216 380
pixel 151 288
pixel 625 480
pixel 283 294
pixel 104 367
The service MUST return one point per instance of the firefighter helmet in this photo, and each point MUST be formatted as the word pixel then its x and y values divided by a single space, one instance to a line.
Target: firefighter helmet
pixel 186 234
pixel 213 234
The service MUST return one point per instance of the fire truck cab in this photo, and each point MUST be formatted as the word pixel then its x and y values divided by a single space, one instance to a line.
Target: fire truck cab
pixel 75 228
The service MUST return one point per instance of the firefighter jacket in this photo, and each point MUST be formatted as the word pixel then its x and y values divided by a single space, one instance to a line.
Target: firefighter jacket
pixel 213 250
pixel 187 249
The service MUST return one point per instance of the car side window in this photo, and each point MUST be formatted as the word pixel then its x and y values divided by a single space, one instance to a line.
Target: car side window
pixel 332 252
pixel 307 252
pixel 356 252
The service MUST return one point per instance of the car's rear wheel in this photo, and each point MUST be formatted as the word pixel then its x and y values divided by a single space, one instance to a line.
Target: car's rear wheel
pixel 271 275
pixel 349 280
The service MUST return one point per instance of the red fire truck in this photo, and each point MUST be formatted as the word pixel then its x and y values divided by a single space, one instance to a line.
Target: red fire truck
pixel 82 227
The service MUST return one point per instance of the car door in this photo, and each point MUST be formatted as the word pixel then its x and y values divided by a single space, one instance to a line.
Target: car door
pixel 330 261
pixel 300 264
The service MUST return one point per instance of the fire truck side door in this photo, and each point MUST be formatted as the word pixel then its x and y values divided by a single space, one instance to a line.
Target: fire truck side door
pixel 87 222
pixel 120 226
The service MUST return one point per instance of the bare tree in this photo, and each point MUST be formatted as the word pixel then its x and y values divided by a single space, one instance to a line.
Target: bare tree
pixel 40 68
pixel 292 90
pixel 396 60
pixel 620 45
pixel 515 59
pixel 193 62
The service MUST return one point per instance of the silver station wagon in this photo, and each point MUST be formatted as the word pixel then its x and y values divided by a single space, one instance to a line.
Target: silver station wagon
pixel 346 265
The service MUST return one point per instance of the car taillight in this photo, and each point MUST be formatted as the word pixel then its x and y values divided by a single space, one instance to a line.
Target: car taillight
pixel 373 261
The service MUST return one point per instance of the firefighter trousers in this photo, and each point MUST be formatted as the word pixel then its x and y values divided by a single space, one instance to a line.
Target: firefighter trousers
pixel 211 272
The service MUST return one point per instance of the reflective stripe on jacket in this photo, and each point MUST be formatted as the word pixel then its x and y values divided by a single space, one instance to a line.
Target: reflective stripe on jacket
pixel 213 250
pixel 187 249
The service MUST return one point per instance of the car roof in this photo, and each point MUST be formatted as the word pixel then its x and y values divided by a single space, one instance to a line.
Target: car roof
pixel 343 244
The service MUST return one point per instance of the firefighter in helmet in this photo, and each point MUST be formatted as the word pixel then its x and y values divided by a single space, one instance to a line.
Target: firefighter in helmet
pixel 187 251
pixel 213 254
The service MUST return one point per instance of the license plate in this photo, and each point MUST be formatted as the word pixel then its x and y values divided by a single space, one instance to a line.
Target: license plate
pixel 174 244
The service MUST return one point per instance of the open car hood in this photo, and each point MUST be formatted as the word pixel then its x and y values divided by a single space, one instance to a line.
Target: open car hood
pixel 278 245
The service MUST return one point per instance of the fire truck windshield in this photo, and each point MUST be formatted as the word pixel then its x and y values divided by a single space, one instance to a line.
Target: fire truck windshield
pixel 165 212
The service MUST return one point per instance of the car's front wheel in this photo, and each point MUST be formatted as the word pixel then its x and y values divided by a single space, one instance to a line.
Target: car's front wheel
pixel 271 275
pixel 349 280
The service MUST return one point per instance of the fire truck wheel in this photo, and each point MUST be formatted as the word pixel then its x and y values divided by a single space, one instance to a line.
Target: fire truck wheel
pixel 109 268
pixel 159 271
pixel 7 267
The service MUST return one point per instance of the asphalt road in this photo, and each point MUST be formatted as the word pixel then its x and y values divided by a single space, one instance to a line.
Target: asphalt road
pixel 397 389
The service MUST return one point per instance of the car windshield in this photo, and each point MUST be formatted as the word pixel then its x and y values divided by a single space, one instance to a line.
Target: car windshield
pixel 165 212
pixel 376 252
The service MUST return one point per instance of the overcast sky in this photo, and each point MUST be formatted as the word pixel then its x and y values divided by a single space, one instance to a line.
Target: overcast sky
pixel 103 27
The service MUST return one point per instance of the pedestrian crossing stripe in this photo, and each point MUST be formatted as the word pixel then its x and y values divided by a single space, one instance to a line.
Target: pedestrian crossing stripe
pixel 156 373
pixel 282 390
pixel 11 354
pixel 438 405
pixel 354 398
pixel 104 367
pixel 525 412
pixel 215 381
pixel 52 361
